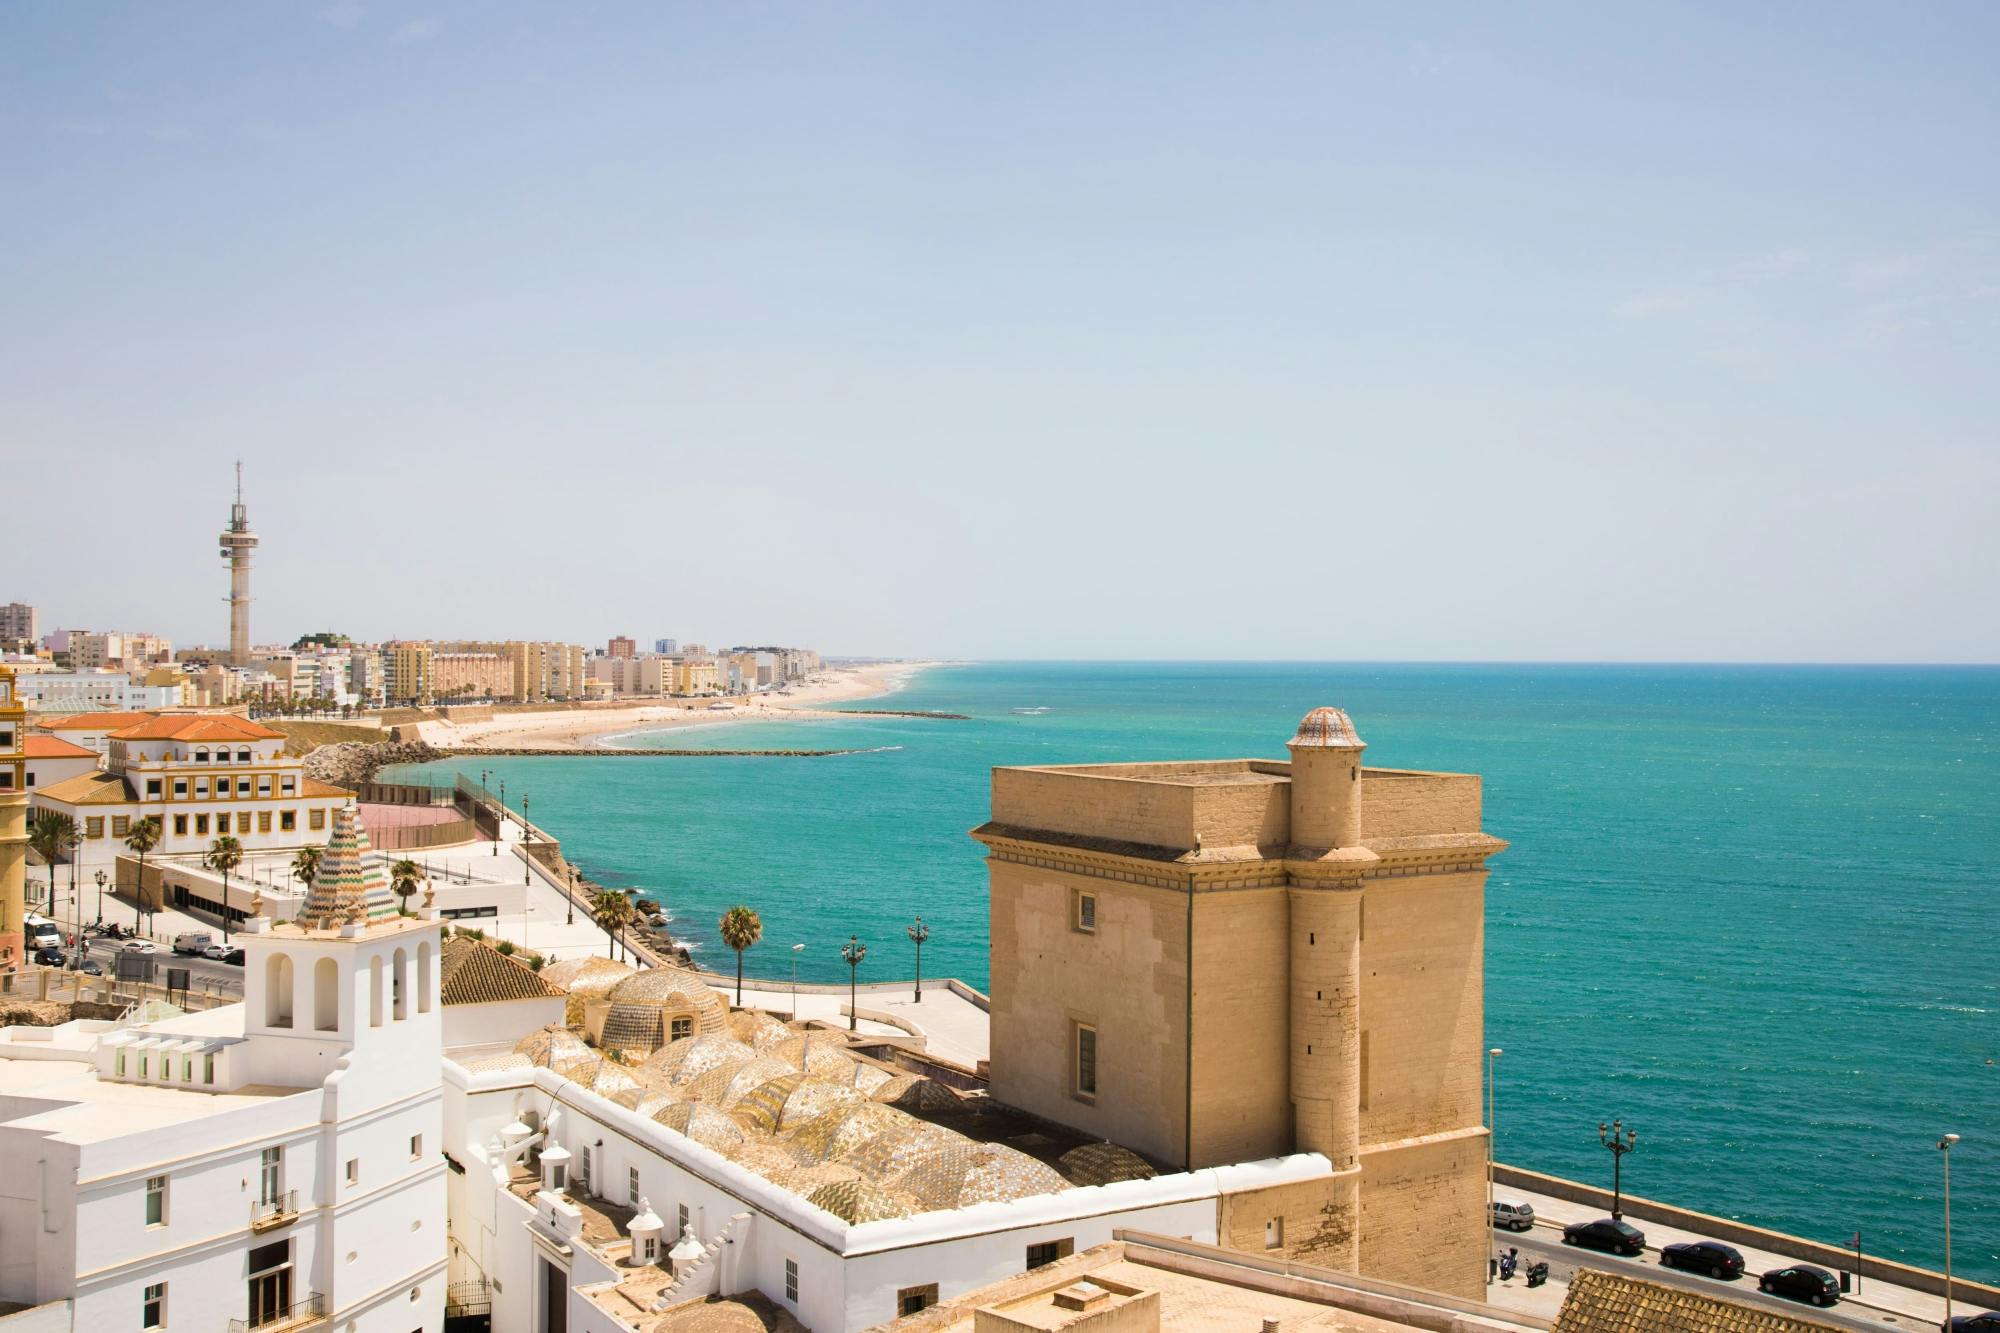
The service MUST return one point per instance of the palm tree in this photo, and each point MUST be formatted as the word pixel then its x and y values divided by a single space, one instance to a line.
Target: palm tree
pixel 143 837
pixel 305 864
pixel 613 911
pixel 223 856
pixel 50 833
pixel 740 929
pixel 404 876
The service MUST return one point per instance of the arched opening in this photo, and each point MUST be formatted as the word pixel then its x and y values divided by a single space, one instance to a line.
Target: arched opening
pixel 278 991
pixel 401 985
pixel 375 992
pixel 326 995
pixel 242 756
pixel 424 977
pixel 201 756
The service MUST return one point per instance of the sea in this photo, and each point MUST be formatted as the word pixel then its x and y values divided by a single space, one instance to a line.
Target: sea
pixel 1747 910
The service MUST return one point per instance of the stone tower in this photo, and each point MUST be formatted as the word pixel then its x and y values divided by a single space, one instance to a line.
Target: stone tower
pixel 1221 961
pixel 13 822
pixel 237 543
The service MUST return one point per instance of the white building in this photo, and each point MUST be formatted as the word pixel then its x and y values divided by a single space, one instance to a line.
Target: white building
pixel 51 759
pixel 203 776
pixel 79 691
pixel 273 1164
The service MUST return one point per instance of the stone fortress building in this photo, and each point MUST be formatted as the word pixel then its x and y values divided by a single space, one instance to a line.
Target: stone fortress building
pixel 1223 961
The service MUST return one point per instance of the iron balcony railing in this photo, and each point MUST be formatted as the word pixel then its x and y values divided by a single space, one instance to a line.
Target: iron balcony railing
pixel 274 1211
pixel 298 1315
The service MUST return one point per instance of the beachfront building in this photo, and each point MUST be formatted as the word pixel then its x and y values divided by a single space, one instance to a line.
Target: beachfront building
pixel 269 1164
pixel 1221 961
pixel 471 675
pixel 18 621
pixel 80 691
pixel 203 775
pixel 647 674
pixel 406 672
pixel 620 646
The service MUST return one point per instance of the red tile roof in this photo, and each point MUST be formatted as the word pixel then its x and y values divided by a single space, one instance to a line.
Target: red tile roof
pixel 198 727
pixel 95 721
pixel 54 747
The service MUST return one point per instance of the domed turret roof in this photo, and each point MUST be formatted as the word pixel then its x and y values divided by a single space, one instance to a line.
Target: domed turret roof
pixel 1326 729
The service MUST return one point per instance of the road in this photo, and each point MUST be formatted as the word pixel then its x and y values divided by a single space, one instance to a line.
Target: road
pixel 1564 1260
pixel 203 974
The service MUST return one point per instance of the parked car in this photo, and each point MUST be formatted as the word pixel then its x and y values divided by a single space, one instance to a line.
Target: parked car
pixel 1802 1282
pixel 215 953
pixel 87 965
pixel 1606 1233
pixel 49 956
pixel 190 943
pixel 1511 1216
pixel 1976 1323
pixel 233 957
pixel 138 946
pixel 1704 1256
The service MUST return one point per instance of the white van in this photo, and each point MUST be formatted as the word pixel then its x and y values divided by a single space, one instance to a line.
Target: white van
pixel 41 932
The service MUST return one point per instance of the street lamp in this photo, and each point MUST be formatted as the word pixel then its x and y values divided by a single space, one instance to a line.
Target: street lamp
pixel 1620 1141
pixel 100 897
pixel 1491 1152
pixel 853 951
pixel 527 839
pixel 1944 1146
pixel 797 949
pixel 570 919
pixel 918 933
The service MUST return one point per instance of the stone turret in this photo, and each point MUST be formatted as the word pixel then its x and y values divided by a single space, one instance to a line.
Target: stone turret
pixel 1326 782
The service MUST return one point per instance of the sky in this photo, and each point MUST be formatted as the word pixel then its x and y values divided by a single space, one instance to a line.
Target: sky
pixel 1327 331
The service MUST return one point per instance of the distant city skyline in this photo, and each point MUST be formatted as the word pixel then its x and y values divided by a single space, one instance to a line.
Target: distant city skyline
pixel 1295 332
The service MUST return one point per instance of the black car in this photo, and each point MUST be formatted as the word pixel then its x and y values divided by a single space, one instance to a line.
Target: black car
pixel 1976 1323
pixel 234 958
pixel 1802 1282
pixel 1607 1234
pixel 48 957
pixel 87 965
pixel 1704 1256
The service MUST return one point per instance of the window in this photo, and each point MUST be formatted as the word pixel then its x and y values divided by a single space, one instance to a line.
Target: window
pixel 632 1185
pixel 156 1201
pixel 416 1146
pixel 242 756
pixel 288 786
pixel 1084 1043
pixel 93 826
pixel 792 1281
pixel 142 1064
pixel 153 1312
pixel 152 789
pixel 1048 1252
pixel 354 1170
pixel 264 784
pixel 222 822
pixel 201 826
pixel 121 1062
pixel 181 824
pixel 1084 917
pixel 681 1221
pixel 271 1175
pixel 200 788
pixel 242 786
pixel 916 1300
pixel 288 820
pixel 683 1027
pixel 1274 1234
pixel 587 1180
pixel 208 1067
pixel 180 789
pixel 187 1069
pixel 201 756
pixel 120 825
pixel 263 821
pixel 317 819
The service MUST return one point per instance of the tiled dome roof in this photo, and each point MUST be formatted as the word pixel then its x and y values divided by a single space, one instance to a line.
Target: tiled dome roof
pixel 703 1124
pixel 856 1201
pixel 559 1049
pixel 758 1028
pixel 916 1093
pixel 679 1063
pixel 348 886
pixel 1103 1164
pixel 1326 729
pixel 587 978
pixel 819 1053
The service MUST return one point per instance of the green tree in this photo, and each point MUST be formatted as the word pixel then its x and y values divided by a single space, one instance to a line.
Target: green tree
pixel 305 864
pixel 50 833
pixel 613 912
pixel 740 929
pixel 223 856
pixel 143 837
pixel 404 876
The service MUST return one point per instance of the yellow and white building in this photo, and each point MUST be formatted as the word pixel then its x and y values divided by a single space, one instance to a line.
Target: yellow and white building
pixel 203 776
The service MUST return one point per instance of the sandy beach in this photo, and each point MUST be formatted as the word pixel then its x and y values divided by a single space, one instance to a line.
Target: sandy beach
pixel 569 729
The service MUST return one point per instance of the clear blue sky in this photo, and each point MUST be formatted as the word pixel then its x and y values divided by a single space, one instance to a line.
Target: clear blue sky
pixel 1481 331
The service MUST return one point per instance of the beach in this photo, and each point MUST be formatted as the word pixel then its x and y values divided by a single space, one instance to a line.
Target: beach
pixel 600 725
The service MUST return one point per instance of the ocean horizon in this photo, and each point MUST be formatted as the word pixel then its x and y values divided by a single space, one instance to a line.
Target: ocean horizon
pixel 1747 907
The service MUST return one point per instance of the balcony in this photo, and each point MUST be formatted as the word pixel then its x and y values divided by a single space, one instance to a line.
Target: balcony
pixel 275 1211
pixel 305 1314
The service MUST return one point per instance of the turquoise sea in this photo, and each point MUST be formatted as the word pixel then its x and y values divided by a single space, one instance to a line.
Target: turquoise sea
pixel 1748 909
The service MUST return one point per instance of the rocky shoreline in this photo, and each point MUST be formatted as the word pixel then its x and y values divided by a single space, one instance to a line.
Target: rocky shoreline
pixel 594 752
pixel 351 763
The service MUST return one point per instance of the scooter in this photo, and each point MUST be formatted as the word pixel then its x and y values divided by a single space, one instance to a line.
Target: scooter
pixel 1538 1272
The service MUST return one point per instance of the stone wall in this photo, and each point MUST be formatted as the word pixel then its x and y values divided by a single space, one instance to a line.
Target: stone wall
pixel 1423 1213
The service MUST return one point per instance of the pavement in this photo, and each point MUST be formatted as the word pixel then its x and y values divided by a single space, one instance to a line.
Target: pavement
pixel 1875 1306
pixel 953 1027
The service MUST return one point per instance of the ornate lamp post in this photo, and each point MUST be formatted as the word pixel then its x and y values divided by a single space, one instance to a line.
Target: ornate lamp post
pixel 1620 1141
pixel 527 840
pixel 797 949
pixel 570 918
pixel 918 933
pixel 100 897
pixel 500 819
pixel 853 951
pixel 1944 1147
pixel 1492 1153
